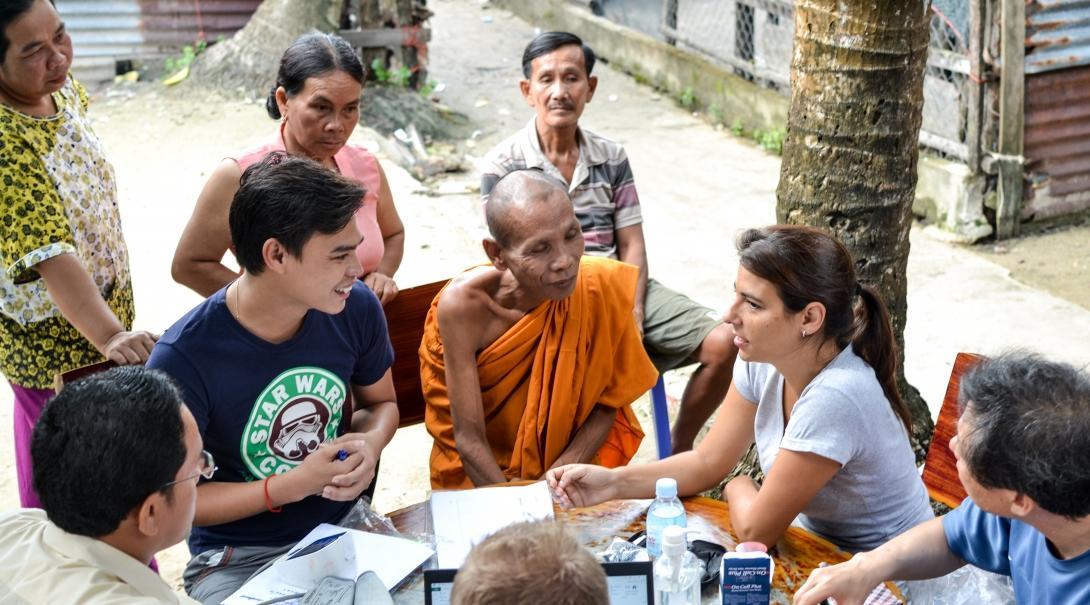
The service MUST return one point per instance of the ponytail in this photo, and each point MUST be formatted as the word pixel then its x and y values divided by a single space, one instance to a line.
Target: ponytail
pixel 873 341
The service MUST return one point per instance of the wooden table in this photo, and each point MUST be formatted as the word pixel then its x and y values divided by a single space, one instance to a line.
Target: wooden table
pixel 796 554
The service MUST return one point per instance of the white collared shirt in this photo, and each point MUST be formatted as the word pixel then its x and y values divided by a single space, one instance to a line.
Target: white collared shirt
pixel 41 563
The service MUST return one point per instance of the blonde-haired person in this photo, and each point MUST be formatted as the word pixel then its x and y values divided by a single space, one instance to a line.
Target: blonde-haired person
pixel 523 562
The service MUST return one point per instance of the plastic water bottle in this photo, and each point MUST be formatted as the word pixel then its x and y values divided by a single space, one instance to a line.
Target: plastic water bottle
pixel 665 511
pixel 677 571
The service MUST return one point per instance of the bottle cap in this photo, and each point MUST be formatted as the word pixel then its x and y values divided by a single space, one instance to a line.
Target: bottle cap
pixel 751 547
pixel 674 542
pixel 665 488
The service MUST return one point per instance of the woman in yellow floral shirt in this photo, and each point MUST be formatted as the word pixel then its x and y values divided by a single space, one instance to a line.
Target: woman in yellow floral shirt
pixel 65 292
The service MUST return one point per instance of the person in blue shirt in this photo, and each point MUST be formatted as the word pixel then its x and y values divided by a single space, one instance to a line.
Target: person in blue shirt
pixel 269 366
pixel 1023 452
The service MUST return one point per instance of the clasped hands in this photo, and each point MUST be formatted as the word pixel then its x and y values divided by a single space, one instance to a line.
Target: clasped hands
pixel 323 473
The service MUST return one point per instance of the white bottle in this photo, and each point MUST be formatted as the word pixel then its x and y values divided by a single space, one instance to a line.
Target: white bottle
pixel 665 511
pixel 677 571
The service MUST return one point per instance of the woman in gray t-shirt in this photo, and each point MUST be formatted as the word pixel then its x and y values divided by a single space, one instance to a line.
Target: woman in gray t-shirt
pixel 815 389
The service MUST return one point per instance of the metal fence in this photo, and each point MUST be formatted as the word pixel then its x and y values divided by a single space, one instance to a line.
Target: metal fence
pixel 754 38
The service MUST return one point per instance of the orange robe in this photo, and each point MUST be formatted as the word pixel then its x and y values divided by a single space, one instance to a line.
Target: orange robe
pixel 541 379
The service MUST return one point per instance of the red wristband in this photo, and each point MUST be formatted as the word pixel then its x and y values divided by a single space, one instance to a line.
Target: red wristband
pixel 268 500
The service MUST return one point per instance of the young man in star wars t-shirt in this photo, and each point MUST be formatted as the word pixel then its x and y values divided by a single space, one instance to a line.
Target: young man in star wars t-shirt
pixel 266 366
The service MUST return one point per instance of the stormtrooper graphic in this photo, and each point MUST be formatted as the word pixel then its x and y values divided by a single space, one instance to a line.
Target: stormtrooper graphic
pixel 295 414
pixel 297 431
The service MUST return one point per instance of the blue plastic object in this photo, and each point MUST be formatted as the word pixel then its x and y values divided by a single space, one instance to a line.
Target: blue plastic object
pixel 661 419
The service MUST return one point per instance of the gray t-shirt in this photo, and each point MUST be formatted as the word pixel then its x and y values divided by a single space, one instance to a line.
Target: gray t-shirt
pixel 843 415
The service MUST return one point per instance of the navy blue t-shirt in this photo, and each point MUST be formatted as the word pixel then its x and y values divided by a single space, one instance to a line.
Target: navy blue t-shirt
pixel 1016 549
pixel 262 408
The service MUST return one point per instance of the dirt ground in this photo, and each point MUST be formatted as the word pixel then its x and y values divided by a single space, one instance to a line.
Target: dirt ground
pixel 164 144
pixel 1056 259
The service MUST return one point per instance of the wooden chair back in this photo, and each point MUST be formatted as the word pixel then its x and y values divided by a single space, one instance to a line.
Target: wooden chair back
pixel 405 321
pixel 940 471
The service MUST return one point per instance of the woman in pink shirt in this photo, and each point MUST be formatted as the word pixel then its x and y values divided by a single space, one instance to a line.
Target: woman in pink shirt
pixel 317 99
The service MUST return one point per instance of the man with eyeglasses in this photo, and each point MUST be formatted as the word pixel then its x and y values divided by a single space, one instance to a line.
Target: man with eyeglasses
pixel 116 461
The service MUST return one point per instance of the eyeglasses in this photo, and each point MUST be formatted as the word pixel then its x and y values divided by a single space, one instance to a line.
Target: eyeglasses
pixel 208 468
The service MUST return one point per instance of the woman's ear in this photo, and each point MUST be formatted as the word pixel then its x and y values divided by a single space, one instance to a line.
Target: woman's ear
pixel 813 318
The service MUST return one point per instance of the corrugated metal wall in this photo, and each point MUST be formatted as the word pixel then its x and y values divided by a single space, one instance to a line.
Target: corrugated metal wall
pixel 1057 140
pixel 105 31
pixel 1057 135
pixel 1057 34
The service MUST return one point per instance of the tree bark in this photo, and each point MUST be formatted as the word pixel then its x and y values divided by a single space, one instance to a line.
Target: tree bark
pixel 249 59
pixel 849 159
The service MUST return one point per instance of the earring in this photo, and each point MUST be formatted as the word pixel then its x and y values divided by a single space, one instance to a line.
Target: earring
pixel 804 333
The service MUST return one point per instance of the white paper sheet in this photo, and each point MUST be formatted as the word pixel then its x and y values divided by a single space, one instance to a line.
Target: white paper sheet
pixel 463 518
pixel 390 558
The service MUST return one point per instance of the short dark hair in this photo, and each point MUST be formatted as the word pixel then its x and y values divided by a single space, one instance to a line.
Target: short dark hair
pixel 10 10
pixel 312 55
pixel 523 562
pixel 547 42
pixel 1030 430
pixel 104 444
pixel 288 198
pixel 524 185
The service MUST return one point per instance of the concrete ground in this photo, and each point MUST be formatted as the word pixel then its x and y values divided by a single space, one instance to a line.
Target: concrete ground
pixel 699 187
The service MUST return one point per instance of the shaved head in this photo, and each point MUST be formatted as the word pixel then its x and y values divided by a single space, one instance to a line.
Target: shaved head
pixel 513 197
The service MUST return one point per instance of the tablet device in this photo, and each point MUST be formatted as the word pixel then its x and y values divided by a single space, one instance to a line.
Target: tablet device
pixel 629 584
pixel 438 584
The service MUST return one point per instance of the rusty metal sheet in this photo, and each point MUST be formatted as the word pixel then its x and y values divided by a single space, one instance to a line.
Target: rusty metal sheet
pixel 106 31
pixel 1057 34
pixel 1057 131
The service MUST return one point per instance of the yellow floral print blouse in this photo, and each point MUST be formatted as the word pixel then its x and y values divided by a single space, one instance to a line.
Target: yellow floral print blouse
pixel 58 196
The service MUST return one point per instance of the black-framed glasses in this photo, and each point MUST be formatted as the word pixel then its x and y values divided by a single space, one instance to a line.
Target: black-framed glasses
pixel 208 468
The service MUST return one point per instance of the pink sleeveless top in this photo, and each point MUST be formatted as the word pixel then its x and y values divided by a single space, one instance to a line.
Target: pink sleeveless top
pixel 359 165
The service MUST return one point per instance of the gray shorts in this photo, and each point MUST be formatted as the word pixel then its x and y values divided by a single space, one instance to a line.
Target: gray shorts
pixel 674 326
pixel 213 575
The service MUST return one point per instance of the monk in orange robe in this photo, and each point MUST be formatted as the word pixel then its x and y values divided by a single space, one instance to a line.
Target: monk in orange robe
pixel 532 362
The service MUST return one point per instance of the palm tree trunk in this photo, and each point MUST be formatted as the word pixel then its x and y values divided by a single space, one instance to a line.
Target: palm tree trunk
pixel 249 59
pixel 849 159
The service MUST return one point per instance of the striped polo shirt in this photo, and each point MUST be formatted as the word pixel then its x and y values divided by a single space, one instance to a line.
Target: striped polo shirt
pixel 601 188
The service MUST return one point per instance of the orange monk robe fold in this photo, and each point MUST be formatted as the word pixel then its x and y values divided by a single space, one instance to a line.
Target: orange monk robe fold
pixel 541 379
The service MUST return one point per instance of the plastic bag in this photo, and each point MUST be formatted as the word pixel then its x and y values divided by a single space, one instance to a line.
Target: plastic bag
pixel 966 586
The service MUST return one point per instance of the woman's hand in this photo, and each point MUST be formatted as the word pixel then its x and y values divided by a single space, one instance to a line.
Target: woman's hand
pixel 578 485
pixel 129 347
pixel 382 285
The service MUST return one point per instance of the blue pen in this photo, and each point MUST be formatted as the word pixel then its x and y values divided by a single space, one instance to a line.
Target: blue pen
pixel 342 455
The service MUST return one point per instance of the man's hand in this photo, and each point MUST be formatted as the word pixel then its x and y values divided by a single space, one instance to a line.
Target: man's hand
pixel 849 583
pixel 351 484
pixel 578 485
pixel 322 473
pixel 129 347
pixel 382 285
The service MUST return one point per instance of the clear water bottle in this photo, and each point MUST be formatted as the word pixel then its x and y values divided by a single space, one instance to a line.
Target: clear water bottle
pixel 677 571
pixel 665 511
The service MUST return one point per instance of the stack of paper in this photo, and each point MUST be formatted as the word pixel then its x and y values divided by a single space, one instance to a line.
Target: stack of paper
pixel 463 518
pixel 330 550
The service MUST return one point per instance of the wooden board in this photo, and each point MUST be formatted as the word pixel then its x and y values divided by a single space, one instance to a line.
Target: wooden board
pixel 405 321
pixel 940 471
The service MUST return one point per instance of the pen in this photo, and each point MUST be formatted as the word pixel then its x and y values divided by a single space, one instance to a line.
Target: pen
pixel 342 455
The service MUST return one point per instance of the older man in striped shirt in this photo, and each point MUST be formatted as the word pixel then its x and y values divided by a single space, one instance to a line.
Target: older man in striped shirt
pixel 676 330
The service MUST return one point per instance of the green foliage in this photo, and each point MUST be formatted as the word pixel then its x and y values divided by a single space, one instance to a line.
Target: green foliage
pixel 715 113
pixel 737 128
pixel 189 52
pixel 687 98
pixel 770 140
pixel 428 88
pixel 399 76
